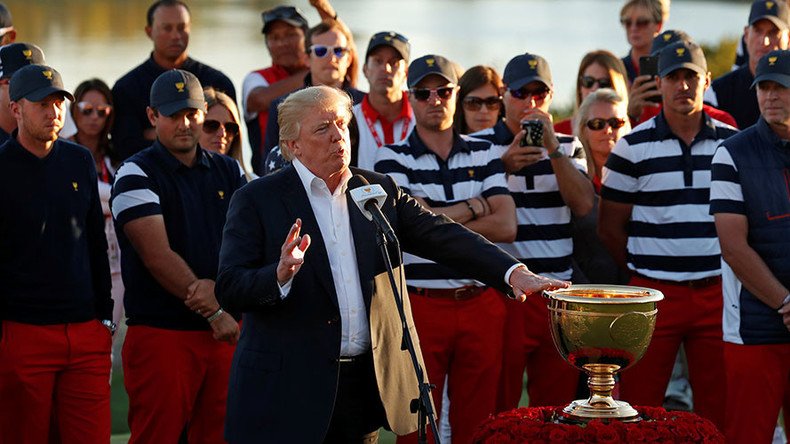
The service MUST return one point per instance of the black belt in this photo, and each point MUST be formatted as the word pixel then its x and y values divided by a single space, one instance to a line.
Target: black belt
pixel 355 359
pixel 695 283
pixel 458 294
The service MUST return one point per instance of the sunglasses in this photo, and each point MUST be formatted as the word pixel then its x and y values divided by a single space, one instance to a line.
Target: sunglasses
pixel 523 93
pixel 212 126
pixel 323 50
pixel 423 94
pixel 640 23
pixel 598 123
pixel 86 109
pixel 590 81
pixel 492 103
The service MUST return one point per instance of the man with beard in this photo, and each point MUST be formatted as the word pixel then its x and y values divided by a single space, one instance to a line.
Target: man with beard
pixel 767 31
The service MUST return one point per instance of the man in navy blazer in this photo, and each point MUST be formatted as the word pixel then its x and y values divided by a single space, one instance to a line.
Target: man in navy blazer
pixel 320 359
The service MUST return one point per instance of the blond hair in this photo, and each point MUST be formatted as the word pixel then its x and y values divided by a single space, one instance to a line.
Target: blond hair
pixel 603 95
pixel 299 104
pixel 657 9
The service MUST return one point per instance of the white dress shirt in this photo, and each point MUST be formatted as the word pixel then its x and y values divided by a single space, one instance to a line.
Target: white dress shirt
pixel 331 213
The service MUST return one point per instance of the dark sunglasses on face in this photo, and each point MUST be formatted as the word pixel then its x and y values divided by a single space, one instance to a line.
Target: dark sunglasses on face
pixel 423 94
pixel 640 23
pixel 86 109
pixel 598 123
pixel 536 93
pixel 323 50
pixel 492 103
pixel 212 126
pixel 589 81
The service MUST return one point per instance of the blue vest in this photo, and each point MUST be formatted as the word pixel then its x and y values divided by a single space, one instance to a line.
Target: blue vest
pixel 763 163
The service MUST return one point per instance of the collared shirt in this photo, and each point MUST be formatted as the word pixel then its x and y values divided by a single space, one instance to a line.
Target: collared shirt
pixel 749 176
pixel 543 239
pixel 670 234
pixel 734 94
pixel 331 214
pixel 375 131
pixel 472 169
pixel 193 201
pixel 131 94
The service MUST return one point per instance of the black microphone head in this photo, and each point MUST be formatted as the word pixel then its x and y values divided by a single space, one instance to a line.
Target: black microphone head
pixel 357 181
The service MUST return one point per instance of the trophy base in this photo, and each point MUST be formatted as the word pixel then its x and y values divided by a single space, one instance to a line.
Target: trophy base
pixel 582 411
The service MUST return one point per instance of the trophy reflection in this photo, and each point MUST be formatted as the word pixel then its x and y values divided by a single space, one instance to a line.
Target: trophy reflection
pixel 602 330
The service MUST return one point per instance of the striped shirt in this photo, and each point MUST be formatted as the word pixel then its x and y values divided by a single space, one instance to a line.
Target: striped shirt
pixel 472 169
pixel 670 235
pixel 193 202
pixel 543 240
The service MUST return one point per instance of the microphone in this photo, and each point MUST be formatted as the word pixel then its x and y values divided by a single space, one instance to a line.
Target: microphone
pixel 369 199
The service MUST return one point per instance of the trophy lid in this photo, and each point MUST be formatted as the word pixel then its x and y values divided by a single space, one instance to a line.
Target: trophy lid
pixel 605 294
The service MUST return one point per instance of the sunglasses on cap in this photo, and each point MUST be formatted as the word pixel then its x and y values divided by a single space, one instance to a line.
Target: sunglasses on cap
pixel 86 109
pixel 423 94
pixel 492 103
pixel 590 81
pixel 211 126
pixel 640 22
pixel 323 50
pixel 394 35
pixel 523 93
pixel 598 123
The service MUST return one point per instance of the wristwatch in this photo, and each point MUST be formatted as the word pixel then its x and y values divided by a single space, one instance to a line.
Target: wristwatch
pixel 556 154
pixel 112 326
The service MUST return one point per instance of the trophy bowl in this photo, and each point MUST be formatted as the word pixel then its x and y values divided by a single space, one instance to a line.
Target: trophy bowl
pixel 602 330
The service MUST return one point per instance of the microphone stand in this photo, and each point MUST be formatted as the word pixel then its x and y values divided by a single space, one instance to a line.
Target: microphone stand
pixel 422 405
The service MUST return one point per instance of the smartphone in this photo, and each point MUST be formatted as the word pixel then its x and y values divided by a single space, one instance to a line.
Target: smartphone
pixel 648 65
pixel 533 135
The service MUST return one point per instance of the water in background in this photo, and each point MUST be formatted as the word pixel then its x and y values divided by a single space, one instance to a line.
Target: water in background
pixel 105 38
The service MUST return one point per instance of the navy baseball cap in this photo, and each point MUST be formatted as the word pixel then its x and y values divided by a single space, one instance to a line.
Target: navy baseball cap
pixel 773 10
pixel 392 39
pixel 36 82
pixel 430 64
pixel 667 38
pixel 774 66
pixel 17 55
pixel 682 55
pixel 5 17
pixel 288 14
pixel 175 90
pixel 526 68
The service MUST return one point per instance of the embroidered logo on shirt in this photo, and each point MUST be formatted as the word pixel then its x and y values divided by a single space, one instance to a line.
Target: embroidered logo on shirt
pixel 221 194
pixel 471 173
pixel 180 86
pixel 75 185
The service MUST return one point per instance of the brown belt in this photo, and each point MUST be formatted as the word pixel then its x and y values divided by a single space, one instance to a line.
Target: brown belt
pixel 696 283
pixel 458 294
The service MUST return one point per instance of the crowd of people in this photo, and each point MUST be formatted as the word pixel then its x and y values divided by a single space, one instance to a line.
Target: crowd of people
pixel 256 303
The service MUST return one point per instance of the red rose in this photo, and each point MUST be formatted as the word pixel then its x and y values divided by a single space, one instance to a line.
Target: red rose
pixel 607 436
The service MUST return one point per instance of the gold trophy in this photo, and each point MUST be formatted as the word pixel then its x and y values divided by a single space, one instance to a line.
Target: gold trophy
pixel 601 330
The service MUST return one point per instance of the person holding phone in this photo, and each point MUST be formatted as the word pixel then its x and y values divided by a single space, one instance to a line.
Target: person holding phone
pixel 642 20
pixel 548 183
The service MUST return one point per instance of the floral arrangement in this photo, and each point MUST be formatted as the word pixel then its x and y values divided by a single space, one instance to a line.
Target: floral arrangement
pixel 539 425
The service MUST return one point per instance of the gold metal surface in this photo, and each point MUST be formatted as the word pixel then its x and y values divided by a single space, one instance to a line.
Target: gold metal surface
pixel 601 330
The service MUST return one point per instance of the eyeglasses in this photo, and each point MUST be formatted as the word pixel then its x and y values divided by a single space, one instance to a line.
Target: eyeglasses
pixel 598 123
pixel 212 126
pixel 423 94
pixel 86 109
pixel 589 81
pixel 523 93
pixel 492 103
pixel 640 22
pixel 323 50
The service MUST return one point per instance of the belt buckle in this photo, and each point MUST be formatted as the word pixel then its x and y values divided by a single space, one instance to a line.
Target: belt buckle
pixel 345 359
pixel 460 293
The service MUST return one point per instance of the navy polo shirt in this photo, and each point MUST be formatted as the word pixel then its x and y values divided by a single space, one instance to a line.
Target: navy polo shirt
pixel 734 94
pixel 131 95
pixel 193 202
pixel 53 250
pixel 4 136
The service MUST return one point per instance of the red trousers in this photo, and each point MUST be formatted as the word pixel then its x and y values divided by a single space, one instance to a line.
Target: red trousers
pixel 757 379
pixel 60 371
pixel 175 379
pixel 463 340
pixel 691 316
pixel 528 345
